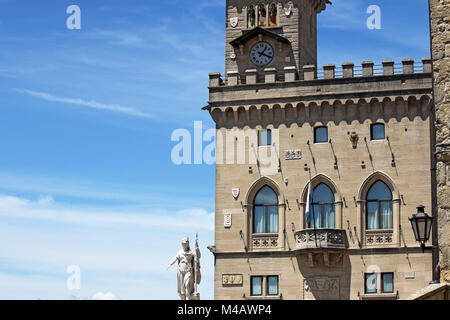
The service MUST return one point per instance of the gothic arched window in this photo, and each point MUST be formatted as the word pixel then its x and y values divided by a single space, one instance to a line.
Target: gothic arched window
pixel 273 12
pixel 379 207
pixel 262 15
pixel 251 16
pixel 265 211
pixel 321 210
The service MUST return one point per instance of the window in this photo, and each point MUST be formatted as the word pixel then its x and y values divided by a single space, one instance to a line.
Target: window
pixel 379 207
pixel 272 286
pixel 273 15
pixel 262 15
pixel 371 279
pixel 265 211
pixel 257 284
pixel 251 16
pixel 320 134
pixel 265 138
pixel 320 213
pixel 370 283
pixel 377 131
pixel 387 281
pixel 264 284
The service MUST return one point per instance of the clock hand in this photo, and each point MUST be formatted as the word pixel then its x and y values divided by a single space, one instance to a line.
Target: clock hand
pixel 262 52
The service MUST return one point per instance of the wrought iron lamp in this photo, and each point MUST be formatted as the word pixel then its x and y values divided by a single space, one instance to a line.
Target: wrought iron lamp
pixel 421 225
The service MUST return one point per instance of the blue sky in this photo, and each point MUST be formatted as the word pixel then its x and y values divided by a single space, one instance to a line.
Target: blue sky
pixel 86 116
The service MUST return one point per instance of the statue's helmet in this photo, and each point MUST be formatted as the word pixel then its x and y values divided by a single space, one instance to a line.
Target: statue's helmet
pixel 185 243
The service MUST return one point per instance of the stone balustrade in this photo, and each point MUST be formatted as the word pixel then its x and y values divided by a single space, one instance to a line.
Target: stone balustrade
pixel 320 239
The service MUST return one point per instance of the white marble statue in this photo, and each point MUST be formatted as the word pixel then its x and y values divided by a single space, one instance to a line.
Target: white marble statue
pixel 189 275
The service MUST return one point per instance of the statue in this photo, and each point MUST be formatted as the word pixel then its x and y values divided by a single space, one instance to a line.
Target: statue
pixel 189 275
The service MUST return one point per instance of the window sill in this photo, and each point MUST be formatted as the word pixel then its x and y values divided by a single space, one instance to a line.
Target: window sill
pixel 269 28
pixel 379 230
pixel 264 297
pixel 379 296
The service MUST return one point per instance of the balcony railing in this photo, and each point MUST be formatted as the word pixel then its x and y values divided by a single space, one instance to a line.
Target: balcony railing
pixel 320 239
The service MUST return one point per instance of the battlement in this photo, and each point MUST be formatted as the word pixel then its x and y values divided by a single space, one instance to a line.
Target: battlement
pixel 328 71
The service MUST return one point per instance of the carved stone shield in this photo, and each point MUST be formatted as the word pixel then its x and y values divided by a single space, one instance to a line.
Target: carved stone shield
pixel 235 192
pixel 227 220
pixel 287 10
pixel 234 22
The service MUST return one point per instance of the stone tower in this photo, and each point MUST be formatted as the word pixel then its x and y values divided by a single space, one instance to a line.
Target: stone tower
pixel 317 173
pixel 290 27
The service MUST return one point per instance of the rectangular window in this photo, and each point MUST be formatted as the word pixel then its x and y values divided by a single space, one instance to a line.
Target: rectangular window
pixel 272 286
pixel 257 284
pixel 387 280
pixel 265 138
pixel 320 134
pixel 370 283
pixel 377 131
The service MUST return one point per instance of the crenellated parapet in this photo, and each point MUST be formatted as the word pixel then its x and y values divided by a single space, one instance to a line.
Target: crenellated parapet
pixel 328 71
pixel 350 95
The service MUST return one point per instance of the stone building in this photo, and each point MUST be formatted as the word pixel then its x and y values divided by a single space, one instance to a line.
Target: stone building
pixel 440 39
pixel 317 170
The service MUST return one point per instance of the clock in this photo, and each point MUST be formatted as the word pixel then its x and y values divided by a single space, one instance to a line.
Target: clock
pixel 261 54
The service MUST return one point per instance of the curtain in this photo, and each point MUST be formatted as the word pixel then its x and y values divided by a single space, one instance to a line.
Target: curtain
pixel 272 219
pixel 259 223
pixel 329 216
pixel 272 285
pixel 257 286
pixel 316 220
pixel 372 215
pixel 386 215
pixel 371 283
pixel 388 283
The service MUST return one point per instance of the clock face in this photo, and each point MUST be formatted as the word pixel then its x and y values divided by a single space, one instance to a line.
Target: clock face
pixel 261 54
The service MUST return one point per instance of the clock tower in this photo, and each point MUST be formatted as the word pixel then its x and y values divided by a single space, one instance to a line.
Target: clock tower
pixel 271 35
pixel 317 172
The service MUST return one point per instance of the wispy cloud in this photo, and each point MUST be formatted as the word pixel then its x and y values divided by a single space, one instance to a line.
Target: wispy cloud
pixel 344 15
pixel 45 209
pixel 87 103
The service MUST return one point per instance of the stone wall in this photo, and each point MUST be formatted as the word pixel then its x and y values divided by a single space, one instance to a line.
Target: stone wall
pixel 440 34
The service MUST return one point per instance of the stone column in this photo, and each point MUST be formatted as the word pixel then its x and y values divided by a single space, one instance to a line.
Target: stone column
pixel 440 48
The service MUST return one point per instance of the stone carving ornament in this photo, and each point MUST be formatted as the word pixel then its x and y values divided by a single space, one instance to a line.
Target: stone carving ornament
pixel 235 192
pixel 287 10
pixel 234 21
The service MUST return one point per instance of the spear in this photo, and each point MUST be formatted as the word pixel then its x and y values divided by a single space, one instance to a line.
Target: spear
pixel 197 277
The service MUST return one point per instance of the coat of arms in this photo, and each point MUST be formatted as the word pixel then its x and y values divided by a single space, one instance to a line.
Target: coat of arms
pixel 234 21
pixel 235 192
pixel 287 10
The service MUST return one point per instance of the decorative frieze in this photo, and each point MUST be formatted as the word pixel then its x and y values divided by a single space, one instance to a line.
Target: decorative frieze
pixel 321 288
pixel 232 280
pixel 383 237
pixel 293 155
pixel 266 242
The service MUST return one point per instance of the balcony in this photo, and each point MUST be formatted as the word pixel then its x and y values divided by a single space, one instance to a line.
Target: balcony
pixel 327 245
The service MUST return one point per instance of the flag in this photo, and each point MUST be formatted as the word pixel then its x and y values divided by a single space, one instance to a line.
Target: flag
pixel 308 205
